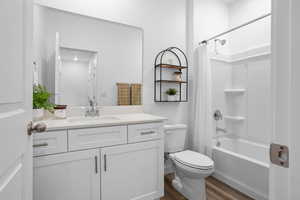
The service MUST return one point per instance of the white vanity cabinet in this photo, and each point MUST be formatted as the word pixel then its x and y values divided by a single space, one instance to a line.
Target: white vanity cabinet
pixel 133 171
pixel 67 176
pixel 50 143
pixel 124 162
pixel 97 137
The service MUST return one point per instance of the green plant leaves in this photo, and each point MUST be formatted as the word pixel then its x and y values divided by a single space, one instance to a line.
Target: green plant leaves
pixel 171 91
pixel 41 98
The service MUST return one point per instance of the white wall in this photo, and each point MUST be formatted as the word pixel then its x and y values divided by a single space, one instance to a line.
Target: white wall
pixel 253 35
pixel 210 18
pixel 241 11
pixel 164 25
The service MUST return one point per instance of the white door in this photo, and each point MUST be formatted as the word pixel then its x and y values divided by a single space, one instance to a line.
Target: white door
pixel 132 172
pixel 67 176
pixel 15 99
pixel 285 182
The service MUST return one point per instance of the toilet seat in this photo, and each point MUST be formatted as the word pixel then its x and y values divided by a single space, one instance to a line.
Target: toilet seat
pixel 194 159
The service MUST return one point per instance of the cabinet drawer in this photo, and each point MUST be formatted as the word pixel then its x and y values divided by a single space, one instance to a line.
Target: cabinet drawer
pixel 97 137
pixel 50 143
pixel 144 132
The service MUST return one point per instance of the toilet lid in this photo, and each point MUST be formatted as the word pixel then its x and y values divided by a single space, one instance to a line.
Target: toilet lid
pixel 194 159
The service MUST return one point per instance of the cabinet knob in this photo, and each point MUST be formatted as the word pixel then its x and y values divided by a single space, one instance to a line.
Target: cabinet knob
pixel 39 127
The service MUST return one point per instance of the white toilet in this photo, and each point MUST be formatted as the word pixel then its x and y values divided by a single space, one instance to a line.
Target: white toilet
pixel 191 168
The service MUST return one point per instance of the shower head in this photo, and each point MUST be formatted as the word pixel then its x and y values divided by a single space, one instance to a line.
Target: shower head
pixel 222 42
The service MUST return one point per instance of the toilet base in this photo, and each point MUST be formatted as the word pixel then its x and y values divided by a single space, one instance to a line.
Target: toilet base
pixel 192 189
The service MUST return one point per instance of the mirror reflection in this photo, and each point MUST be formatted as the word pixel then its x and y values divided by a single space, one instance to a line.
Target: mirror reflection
pixel 83 60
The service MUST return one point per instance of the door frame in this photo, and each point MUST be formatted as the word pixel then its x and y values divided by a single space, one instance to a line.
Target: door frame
pixel 285 97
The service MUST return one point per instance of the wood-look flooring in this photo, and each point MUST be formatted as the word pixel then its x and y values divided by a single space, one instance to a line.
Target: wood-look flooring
pixel 215 190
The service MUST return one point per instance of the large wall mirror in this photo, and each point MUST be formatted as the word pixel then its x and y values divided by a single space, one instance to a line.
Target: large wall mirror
pixel 79 59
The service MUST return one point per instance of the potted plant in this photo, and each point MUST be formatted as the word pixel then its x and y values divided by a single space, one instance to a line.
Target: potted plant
pixel 171 94
pixel 41 101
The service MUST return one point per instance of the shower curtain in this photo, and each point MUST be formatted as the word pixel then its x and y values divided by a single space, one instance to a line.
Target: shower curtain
pixel 201 119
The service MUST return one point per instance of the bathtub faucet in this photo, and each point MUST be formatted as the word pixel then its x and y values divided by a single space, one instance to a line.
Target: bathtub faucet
pixel 221 130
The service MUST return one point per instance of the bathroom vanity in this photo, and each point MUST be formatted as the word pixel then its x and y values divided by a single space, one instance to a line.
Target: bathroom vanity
pixel 115 157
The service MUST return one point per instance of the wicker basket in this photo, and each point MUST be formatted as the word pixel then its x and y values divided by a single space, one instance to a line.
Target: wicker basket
pixel 123 94
pixel 136 94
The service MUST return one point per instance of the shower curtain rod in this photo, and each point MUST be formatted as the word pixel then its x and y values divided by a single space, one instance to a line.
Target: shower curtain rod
pixel 235 28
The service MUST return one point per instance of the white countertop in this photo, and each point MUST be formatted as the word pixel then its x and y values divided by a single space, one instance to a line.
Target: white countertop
pixel 103 120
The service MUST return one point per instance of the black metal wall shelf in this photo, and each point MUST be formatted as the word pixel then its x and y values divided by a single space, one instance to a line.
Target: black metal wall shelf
pixel 170 66
pixel 161 67
pixel 171 81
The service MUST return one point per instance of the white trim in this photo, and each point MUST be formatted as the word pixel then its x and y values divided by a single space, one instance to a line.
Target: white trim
pixel 10 175
pixel 280 186
pixel 235 118
pixel 263 50
pixel 241 90
pixel 239 186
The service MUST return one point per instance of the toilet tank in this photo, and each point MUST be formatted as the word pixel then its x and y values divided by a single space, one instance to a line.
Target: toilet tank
pixel 175 136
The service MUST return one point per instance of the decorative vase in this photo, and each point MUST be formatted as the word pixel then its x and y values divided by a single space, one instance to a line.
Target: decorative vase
pixel 37 114
pixel 60 111
pixel 172 97
pixel 177 76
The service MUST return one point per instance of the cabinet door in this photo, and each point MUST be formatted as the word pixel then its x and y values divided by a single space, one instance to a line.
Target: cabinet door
pixel 132 172
pixel 67 176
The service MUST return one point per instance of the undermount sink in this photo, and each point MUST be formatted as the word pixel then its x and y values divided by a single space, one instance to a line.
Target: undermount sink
pixel 91 119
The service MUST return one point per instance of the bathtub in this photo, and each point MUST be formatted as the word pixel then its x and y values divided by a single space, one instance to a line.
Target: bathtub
pixel 243 165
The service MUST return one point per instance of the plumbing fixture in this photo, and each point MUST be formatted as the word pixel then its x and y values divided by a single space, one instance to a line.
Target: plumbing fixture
pixel 218 115
pixel 92 110
pixel 221 130
pixel 222 42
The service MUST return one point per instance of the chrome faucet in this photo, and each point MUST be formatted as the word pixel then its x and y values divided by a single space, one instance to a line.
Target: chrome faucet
pixel 92 110
pixel 219 116
pixel 221 130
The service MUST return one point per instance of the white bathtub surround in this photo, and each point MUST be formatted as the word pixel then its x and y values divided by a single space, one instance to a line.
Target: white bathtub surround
pixel 201 115
pixel 243 165
pixel 241 90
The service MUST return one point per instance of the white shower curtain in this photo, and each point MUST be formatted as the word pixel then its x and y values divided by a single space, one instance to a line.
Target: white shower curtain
pixel 201 109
